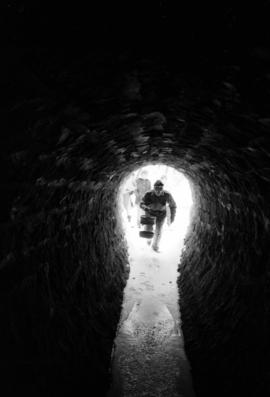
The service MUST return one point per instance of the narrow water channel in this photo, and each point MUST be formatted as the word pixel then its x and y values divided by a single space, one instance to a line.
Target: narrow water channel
pixel 149 358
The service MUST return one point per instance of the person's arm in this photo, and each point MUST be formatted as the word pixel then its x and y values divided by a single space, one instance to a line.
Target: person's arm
pixel 172 206
pixel 144 204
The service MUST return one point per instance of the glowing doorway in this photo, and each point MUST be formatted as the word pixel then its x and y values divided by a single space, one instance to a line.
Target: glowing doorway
pixel 149 357
pixel 174 182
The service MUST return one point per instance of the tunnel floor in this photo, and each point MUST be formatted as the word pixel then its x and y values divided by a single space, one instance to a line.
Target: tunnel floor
pixel 149 357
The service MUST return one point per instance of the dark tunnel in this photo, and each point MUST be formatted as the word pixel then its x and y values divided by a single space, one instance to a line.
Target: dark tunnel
pixel 77 123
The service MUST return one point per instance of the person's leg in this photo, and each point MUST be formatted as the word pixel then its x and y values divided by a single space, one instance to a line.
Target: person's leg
pixel 168 215
pixel 158 231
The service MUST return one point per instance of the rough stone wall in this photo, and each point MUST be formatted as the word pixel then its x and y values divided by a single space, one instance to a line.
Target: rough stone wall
pixel 224 281
pixel 63 265
pixel 64 258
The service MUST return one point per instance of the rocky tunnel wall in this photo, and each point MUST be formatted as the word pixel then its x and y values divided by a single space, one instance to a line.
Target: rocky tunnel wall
pixel 63 267
pixel 223 277
pixel 64 258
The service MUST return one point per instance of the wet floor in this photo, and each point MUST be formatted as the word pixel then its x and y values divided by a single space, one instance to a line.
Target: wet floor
pixel 149 358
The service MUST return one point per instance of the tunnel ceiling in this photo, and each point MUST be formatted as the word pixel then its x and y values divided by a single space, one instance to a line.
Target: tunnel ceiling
pixel 78 119
pixel 118 114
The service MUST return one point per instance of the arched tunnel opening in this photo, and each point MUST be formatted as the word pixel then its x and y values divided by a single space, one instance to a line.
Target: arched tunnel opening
pixel 78 121
pixel 132 190
pixel 148 354
pixel 64 266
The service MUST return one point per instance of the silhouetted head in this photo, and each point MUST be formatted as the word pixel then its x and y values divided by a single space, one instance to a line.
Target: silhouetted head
pixel 158 187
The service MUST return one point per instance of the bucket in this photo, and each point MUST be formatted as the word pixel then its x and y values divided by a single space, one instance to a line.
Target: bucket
pixel 148 223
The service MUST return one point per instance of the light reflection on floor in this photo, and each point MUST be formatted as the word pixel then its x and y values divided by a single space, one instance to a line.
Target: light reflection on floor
pixel 149 358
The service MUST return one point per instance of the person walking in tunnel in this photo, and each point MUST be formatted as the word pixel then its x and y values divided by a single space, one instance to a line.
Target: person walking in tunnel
pixel 154 204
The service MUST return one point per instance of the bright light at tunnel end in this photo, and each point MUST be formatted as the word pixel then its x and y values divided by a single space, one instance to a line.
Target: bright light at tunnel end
pixel 178 185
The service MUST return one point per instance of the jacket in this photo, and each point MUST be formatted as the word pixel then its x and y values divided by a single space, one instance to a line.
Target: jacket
pixel 157 204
